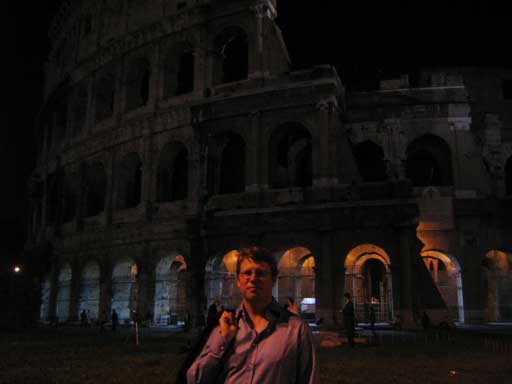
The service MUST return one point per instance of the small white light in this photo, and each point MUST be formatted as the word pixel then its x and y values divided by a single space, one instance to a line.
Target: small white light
pixel 17 269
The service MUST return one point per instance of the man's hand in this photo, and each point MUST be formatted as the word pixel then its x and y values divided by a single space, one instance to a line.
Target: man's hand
pixel 227 325
pixel 293 309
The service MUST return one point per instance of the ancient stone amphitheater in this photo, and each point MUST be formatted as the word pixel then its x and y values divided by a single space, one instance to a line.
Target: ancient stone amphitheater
pixel 175 132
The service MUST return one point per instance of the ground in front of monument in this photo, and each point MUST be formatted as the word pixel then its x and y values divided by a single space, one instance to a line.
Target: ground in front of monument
pixel 78 355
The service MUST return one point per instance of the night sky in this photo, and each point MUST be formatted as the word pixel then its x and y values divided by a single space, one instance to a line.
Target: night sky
pixel 362 38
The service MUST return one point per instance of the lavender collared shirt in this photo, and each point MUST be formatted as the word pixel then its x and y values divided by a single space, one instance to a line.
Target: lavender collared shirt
pixel 282 353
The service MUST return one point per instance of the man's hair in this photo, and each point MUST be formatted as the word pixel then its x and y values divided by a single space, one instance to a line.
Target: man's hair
pixel 258 255
pixel 347 295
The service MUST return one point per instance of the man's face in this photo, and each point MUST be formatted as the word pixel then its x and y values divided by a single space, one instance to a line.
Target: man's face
pixel 255 281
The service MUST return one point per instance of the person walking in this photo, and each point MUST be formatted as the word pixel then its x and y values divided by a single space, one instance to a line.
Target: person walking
pixel 115 320
pixel 349 319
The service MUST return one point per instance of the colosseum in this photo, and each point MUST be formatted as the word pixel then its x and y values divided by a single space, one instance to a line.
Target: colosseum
pixel 174 132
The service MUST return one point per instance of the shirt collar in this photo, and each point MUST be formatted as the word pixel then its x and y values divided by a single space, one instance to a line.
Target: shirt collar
pixel 273 312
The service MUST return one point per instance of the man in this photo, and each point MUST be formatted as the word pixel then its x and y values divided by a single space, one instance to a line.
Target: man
pixel 212 319
pixel 348 319
pixel 261 342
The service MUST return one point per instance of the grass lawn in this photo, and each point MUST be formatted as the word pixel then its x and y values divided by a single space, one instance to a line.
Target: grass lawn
pixel 85 356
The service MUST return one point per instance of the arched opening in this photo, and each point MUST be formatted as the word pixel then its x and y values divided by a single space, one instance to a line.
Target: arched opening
pixel 105 92
pixel 291 160
pixel 497 286
pixel 63 294
pixel 232 53
pixel 296 279
pixel 368 279
pixel 508 177
pixel 170 291
pixel 429 162
pixel 137 83
pixel 130 181
pixel 95 188
pixel 44 311
pixel 221 280
pixel 226 164
pixel 370 161
pixel 79 109
pixel 125 289
pixel 69 199
pixel 446 274
pixel 90 290
pixel 179 70
pixel 232 165
pixel 172 180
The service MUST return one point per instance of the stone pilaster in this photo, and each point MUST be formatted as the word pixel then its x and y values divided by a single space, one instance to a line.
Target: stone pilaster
pixel 395 149
pixel 324 275
pixel 406 265
pixel 253 152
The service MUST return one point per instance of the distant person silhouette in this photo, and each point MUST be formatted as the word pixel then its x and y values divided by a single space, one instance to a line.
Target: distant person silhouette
pixel 115 320
pixel 349 319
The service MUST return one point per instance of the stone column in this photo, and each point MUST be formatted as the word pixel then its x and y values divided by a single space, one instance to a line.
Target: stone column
pixel 110 194
pixel 324 162
pixel 196 299
pixel 253 148
pixel 395 150
pixel 406 266
pixel 148 193
pixel 146 287
pixel 325 274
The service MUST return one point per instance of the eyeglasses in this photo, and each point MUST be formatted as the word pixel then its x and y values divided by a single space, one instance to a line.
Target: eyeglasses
pixel 258 274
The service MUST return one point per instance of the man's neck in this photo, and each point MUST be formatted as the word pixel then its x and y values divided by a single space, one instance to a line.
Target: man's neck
pixel 256 311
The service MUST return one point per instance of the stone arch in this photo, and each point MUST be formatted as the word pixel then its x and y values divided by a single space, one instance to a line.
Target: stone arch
pixel 170 290
pixel 179 70
pixel 129 185
pixel 125 288
pixel 231 50
pixel 497 285
pixel 137 83
pixel 368 278
pixel 105 96
pixel 226 164
pixel 220 280
pixel 446 273
pixel 296 278
pixel 290 156
pixel 429 162
pixel 95 188
pixel 63 293
pixel 172 178
pixel 44 311
pixel 79 108
pixel 90 290
pixel 508 177
pixel 370 161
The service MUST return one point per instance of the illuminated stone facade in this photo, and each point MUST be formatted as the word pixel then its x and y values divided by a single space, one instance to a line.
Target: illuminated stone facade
pixel 174 132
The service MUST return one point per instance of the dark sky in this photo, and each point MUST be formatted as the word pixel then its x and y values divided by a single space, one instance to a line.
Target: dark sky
pixel 360 37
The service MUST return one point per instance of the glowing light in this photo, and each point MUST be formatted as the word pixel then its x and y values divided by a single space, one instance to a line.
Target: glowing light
pixel 453 373
pixel 17 269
